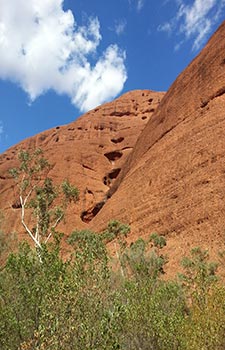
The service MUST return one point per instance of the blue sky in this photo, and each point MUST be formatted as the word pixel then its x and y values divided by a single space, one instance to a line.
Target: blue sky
pixel 62 58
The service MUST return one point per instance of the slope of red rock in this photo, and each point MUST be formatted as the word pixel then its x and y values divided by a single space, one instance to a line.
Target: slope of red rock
pixel 174 180
pixel 90 152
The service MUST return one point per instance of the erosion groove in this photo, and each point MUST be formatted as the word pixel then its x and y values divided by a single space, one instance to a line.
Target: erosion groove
pixel 218 93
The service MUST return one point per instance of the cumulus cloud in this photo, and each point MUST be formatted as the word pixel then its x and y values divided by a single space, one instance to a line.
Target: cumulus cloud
pixel 42 48
pixel 194 21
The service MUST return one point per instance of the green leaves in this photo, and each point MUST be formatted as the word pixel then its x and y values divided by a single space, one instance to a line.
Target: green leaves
pixel 78 304
pixel 199 273
pixel 70 192
pixel 32 163
pixel 158 241
pixel 14 172
pixel 118 229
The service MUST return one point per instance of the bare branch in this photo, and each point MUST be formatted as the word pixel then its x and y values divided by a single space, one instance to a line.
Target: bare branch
pixel 28 195
pixel 54 226
pixel 25 226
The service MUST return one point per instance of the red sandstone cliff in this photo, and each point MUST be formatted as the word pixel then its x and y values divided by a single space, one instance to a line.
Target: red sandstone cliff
pixel 174 180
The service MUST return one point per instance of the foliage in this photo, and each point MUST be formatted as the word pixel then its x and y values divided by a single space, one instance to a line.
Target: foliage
pixel 205 327
pixel 158 241
pixel 142 260
pixel 76 304
pixel 70 192
pixel 7 242
pixel 90 254
pixel 199 275
pixel 116 230
pixel 155 312
pixel 37 297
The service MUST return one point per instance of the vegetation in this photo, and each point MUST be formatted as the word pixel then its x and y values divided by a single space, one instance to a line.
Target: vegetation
pixel 93 300
pixel 84 303
pixel 35 190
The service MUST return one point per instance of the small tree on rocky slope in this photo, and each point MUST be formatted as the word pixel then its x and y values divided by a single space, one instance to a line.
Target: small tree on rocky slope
pixel 35 190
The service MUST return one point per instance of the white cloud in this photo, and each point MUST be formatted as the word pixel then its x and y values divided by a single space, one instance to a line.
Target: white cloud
pixel 166 27
pixel 120 26
pixel 43 48
pixel 139 4
pixel 103 81
pixel 194 21
pixel 1 129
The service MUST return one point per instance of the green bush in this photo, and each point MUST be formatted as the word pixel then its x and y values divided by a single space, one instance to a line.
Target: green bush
pixel 47 303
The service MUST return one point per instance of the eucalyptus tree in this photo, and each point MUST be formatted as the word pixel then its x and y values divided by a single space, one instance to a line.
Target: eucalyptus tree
pixel 35 190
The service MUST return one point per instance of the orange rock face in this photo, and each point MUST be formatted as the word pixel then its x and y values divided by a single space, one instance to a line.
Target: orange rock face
pixel 174 180
pixel 89 152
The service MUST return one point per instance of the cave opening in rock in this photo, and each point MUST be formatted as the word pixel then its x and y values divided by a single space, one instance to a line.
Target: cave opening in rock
pixel 112 175
pixel 118 140
pixel 112 156
pixel 88 215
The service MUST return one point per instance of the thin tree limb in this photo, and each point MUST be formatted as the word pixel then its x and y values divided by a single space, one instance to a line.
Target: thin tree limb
pixel 25 226
pixel 55 224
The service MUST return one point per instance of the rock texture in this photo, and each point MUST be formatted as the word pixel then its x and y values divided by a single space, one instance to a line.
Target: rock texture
pixel 90 152
pixel 174 180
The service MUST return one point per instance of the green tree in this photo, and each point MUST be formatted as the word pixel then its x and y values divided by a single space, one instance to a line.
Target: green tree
pixel 36 190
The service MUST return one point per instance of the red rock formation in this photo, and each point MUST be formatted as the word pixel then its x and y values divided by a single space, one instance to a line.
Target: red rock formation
pixel 174 180
pixel 90 152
